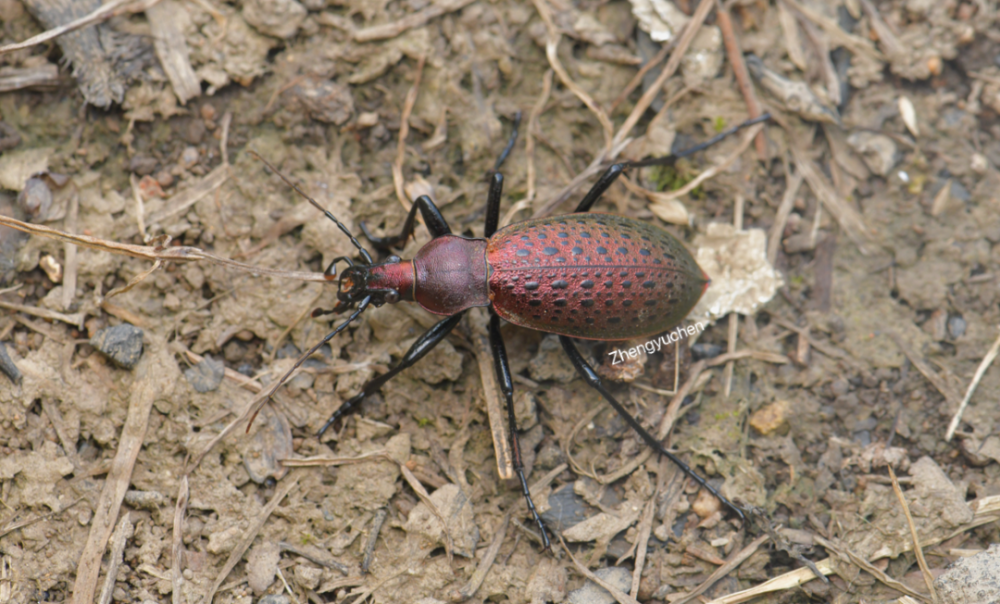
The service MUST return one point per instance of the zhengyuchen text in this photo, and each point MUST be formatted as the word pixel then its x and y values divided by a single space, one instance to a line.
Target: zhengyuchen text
pixel 654 345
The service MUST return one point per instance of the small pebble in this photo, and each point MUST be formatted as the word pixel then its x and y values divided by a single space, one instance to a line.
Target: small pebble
pixel 142 165
pixel 206 375
pixel 592 593
pixel 52 268
pixel 704 350
pixel 956 327
pixel 189 157
pixel 705 504
pixel 567 509
pixel 770 418
pixel 147 500
pixel 262 565
pixel 208 111
pixel 35 199
pixel 165 178
pixel 7 365
pixel 121 343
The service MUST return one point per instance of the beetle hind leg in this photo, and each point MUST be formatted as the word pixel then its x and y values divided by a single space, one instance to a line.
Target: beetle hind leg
pixel 594 381
pixel 502 367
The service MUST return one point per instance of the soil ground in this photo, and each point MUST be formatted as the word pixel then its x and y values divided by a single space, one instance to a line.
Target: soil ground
pixel 888 304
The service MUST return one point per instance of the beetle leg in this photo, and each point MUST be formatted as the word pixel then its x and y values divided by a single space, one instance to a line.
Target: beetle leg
pixel 507 387
pixel 510 143
pixel 435 222
pixel 610 176
pixel 493 205
pixel 612 173
pixel 594 381
pixel 431 338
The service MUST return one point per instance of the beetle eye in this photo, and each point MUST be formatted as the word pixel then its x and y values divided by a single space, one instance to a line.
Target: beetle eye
pixel 393 259
pixel 392 296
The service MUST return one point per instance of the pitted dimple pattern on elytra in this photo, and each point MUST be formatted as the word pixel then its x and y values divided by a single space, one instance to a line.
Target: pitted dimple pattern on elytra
pixel 594 276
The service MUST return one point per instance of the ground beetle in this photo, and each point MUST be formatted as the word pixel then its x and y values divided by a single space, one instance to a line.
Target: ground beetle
pixel 580 275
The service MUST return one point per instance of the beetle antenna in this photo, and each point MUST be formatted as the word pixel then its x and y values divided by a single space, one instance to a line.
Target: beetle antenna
pixel 354 241
pixel 310 352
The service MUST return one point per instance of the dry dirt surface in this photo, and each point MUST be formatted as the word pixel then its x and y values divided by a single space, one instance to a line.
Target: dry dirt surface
pixel 156 280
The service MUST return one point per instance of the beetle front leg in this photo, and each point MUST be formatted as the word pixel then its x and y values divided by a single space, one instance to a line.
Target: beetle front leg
pixel 435 222
pixel 502 367
pixel 424 344
pixel 594 381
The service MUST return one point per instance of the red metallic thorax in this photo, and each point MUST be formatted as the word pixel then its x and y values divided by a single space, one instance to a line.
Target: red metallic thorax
pixel 396 275
pixel 592 276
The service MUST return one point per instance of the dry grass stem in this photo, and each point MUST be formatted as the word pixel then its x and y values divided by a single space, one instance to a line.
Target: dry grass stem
pixel 939 383
pixel 177 566
pixel 849 219
pixel 123 532
pixel 924 569
pixel 734 52
pixel 980 371
pixel 793 182
pixel 404 130
pixel 619 596
pixel 552 54
pixel 530 135
pixel 151 253
pixel 76 319
pixel 142 393
pixel 485 563
pixel 106 11
pixel 494 407
pixel 286 486
pixel 735 559
pixel 373 533
pixel 411 21
pixel 619 141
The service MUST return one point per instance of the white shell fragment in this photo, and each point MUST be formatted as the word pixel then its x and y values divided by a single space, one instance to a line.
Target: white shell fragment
pixel 659 18
pixel 703 60
pixel 736 262
pixel 909 115
pixel 878 151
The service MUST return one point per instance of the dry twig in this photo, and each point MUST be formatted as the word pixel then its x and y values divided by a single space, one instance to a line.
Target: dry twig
pixel 619 141
pixel 928 578
pixel 735 53
pixel 142 393
pixel 552 54
pixel 106 11
pixel 486 562
pixel 619 596
pixel 404 129
pixel 980 371
pixel 417 19
pixel 287 485
pixel 731 564
pixel 177 567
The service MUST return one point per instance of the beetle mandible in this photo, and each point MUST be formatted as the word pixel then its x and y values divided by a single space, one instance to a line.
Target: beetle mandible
pixel 582 275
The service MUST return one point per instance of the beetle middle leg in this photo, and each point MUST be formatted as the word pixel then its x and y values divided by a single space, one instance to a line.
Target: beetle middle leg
pixel 435 222
pixel 594 381
pixel 424 344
